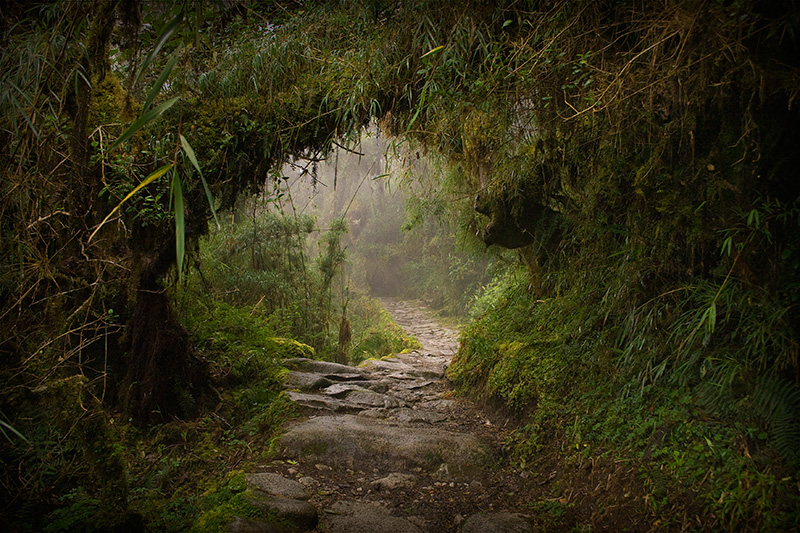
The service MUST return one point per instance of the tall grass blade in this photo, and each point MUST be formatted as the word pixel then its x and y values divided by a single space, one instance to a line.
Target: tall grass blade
pixel 187 148
pixel 149 179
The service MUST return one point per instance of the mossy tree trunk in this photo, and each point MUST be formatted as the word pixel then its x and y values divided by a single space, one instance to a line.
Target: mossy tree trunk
pixel 159 368
pixel 164 378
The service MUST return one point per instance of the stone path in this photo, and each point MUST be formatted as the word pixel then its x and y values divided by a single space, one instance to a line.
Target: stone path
pixel 385 446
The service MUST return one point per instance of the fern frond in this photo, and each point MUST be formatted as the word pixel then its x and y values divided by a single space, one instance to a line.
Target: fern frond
pixel 776 401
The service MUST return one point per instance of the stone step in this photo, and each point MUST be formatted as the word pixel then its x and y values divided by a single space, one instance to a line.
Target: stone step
pixel 347 439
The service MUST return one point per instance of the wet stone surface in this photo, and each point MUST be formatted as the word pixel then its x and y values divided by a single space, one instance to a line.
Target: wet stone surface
pixel 386 446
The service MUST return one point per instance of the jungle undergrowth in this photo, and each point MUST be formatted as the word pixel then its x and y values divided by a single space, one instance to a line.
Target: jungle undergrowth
pixel 699 461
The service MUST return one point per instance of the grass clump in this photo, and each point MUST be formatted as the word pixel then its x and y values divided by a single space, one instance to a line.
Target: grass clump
pixel 376 334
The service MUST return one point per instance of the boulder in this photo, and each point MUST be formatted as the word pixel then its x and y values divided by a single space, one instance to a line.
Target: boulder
pixel 278 485
pixel 300 513
pixel 334 371
pixel 305 381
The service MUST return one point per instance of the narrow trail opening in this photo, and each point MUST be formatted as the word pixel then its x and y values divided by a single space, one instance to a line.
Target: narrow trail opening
pixel 387 446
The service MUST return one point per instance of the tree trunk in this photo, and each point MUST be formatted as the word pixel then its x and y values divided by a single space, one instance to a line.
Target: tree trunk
pixel 164 378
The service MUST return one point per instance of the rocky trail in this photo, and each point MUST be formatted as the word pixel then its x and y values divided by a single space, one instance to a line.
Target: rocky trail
pixel 386 446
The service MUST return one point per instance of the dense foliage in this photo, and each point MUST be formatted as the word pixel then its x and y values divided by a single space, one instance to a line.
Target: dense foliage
pixel 640 156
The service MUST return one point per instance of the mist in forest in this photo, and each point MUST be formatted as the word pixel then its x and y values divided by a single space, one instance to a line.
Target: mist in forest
pixel 362 185
pixel 401 241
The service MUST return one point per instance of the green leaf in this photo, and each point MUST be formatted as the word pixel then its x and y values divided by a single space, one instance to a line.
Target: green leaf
pixel 418 110
pixel 24 115
pixel 187 148
pixel 432 51
pixel 753 218
pixel 726 246
pixel 709 317
pixel 147 117
pixel 180 223
pixel 12 430
pixel 162 78
pixel 149 179
pixel 169 29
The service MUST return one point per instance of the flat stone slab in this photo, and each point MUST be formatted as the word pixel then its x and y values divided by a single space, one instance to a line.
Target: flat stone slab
pixel 321 402
pixel 408 366
pixel 301 513
pixel 334 371
pixel 306 381
pixel 386 365
pixel 380 386
pixel 340 390
pixel 496 523
pixel 396 369
pixel 372 399
pixel 353 401
pixel 357 517
pixel 348 439
pixel 345 377
pixel 278 485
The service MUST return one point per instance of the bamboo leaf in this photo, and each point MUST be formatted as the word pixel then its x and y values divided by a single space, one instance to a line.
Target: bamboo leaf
pixel 187 148
pixel 180 223
pixel 753 218
pixel 22 93
pixel 147 117
pixel 432 51
pixel 12 430
pixel 162 78
pixel 24 115
pixel 726 246
pixel 162 39
pixel 712 317
pixel 418 110
pixel 149 179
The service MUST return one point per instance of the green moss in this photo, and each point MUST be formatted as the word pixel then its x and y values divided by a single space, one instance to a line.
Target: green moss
pixel 375 333
pixel 111 103
pixel 288 348
pixel 222 502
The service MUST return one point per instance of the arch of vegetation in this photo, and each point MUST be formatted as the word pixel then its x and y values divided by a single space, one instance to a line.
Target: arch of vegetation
pixel 641 157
